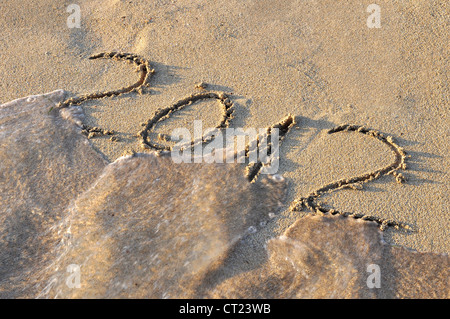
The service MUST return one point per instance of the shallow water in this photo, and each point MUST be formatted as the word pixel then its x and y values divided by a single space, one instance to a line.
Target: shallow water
pixel 338 257
pixel 44 164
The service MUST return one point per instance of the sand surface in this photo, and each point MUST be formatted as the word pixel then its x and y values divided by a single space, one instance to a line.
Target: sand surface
pixel 316 60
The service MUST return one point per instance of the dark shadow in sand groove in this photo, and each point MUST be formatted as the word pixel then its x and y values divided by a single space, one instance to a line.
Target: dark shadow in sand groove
pixel 165 75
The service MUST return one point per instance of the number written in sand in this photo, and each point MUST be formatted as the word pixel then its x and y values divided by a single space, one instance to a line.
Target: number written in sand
pixel 253 169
